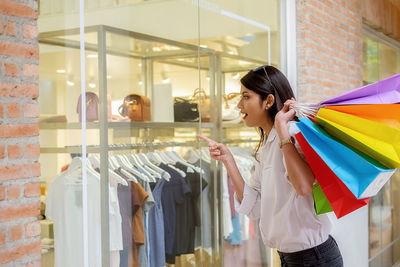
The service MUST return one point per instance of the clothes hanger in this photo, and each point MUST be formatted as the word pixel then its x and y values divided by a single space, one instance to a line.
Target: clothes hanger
pixel 134 164
pixel 144 174
pixel 179 159
pixel 155 158
pixel 76 167
pixel 206 155
pixel 150 166
pixel 130 173
pixel 95 163
pixel 166 158
pixel 170 162
pixel 191 157
pixel 113 175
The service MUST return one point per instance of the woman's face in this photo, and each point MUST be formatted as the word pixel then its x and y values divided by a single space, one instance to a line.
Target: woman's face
pixel 253 110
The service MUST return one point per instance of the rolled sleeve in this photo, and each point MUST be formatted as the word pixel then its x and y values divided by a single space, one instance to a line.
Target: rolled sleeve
pixel 250 204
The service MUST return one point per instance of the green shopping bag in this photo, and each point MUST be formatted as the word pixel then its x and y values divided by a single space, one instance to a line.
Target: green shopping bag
pixel 321 203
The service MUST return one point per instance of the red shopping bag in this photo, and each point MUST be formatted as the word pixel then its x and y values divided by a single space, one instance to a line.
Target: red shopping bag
pixel 339 196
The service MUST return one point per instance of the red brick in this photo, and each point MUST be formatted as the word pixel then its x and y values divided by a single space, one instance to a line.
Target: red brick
pixel 31 110
pixel 32 229
pixel 11 68
pixel 19 130
pixel 2 192
pixel 14 151
pixel 2 237
pixel 16 233
pixel 19 171
pixel 1 27
pixel 19 50
pixel 1 111
pixel 19 90
pixel 1 152
pixel 16 9
pixel 13 110
pixel 30 31
pixel 32 190
pixel 13 192
pixel 10 28
pixel 30 70
pixel 9 213
pixel 31 151
pixel 15 253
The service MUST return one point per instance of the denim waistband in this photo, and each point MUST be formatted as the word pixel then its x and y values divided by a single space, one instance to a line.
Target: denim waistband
pixel 326 246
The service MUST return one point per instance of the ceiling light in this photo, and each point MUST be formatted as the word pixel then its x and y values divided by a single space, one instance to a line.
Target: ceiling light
pixel 70 80
pixel 140 64
pixel 92 85
pixel 70 83
pixel 109 76
pixel 165 78
pixel 92 56
pixel 204 46
pixel 60 71
pixel 139 77
pixel 235 76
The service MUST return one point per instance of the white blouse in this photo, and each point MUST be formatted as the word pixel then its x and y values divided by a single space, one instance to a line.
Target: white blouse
pixel 288 221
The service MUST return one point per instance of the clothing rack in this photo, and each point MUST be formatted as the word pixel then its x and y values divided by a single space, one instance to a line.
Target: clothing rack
pixel 148 145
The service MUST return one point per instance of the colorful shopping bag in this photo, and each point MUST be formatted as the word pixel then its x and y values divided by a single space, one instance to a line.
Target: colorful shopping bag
pixel 386 91
pixel 375 139
pixel 388 114
pixel 321 203
pixel 362 175
pixel 341 200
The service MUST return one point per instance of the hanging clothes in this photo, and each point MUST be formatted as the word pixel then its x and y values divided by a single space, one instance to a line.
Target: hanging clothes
pixel 156 227
pixel 64 207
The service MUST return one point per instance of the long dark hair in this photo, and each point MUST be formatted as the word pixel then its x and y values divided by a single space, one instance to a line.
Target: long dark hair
pixel 267 80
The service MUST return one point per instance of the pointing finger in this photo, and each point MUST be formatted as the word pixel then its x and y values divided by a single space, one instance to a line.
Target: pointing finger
pixel 208 140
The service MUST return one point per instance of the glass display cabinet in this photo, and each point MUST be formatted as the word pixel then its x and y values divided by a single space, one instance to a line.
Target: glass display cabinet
pixel 119 64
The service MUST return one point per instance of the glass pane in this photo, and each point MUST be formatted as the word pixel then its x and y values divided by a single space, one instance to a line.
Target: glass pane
pixel 388 61
pixel 244 36
pixel 145 70
pixel 380 62
pixel 63 225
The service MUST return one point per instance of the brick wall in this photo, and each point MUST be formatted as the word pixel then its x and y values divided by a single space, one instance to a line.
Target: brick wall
pixel 329 48
pixel 19 141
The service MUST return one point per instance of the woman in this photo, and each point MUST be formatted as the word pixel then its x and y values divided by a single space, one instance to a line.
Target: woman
pixel 279 193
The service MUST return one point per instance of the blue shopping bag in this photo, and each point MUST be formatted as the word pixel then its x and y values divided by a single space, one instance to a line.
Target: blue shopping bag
pixel 362 175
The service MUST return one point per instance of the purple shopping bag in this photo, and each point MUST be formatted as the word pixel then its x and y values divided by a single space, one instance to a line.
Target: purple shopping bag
pixel 386 91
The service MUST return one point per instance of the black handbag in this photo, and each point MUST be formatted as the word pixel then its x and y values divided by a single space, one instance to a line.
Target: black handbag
pixel 184 110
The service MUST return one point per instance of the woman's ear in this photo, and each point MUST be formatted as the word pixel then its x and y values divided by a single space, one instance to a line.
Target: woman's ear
pixel 269 101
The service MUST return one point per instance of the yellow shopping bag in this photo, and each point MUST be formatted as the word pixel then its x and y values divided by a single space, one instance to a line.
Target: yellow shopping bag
pixel 375 139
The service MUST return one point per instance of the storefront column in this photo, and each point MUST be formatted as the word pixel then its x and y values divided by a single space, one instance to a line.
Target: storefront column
pixel 329 62
pixel 19 131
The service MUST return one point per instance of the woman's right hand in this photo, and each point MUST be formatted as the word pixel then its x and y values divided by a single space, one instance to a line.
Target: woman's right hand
pixel 217 150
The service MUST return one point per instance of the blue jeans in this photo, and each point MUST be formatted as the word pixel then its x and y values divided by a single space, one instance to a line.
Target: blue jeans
pixel 325 255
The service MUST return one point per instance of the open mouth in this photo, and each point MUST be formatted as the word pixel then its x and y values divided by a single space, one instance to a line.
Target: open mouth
pixel 244 116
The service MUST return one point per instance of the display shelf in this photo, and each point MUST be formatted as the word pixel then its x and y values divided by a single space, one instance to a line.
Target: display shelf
pixel 234 125
pixel 124 125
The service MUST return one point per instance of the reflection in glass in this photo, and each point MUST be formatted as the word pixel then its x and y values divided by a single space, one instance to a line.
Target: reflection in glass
pixel 380 62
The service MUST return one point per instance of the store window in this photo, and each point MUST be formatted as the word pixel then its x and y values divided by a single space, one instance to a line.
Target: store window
pixel 152 76
pixel 382 60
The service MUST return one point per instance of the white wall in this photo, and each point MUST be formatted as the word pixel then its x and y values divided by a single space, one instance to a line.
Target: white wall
pixel 351 234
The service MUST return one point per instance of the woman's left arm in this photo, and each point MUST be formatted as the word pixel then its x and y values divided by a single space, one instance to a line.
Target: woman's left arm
pixel 299 172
